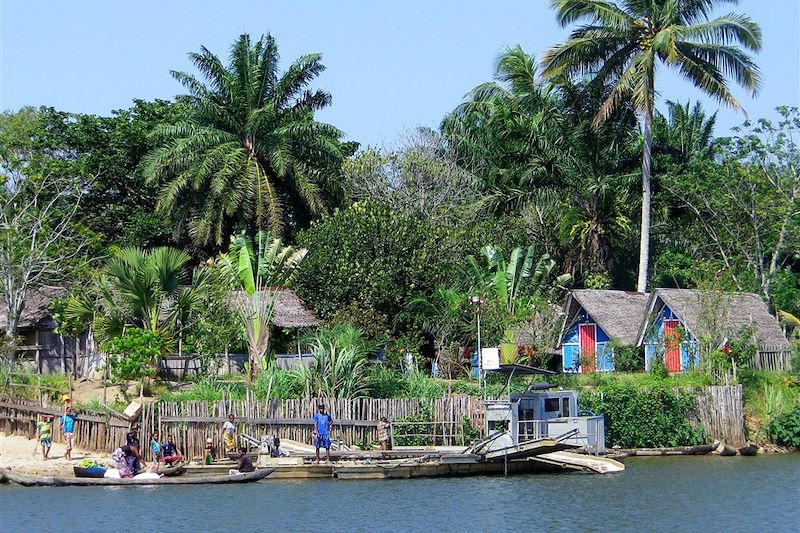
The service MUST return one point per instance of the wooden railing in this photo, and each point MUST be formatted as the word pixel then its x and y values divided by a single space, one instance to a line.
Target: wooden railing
pixel 773 358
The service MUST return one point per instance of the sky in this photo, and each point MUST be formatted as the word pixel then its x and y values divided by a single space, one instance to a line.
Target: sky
pixel 391 66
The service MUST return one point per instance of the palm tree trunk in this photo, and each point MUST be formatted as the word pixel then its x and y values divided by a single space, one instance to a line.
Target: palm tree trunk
pixel 644 243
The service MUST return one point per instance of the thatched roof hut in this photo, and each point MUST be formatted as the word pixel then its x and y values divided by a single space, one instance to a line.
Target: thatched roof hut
pixel 618 313
pixel 737 311
pixel 292 312
pixel 36 313
pixel 289 312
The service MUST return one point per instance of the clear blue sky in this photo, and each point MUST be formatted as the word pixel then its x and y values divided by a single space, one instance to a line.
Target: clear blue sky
pixel 392 66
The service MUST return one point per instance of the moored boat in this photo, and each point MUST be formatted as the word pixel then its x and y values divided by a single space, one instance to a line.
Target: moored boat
pixel 51 481
pixel 98 472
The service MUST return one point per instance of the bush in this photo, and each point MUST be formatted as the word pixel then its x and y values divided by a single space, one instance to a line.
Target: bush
pixel 370 254
pixel 385 383
pixel 275 384
pixel 628 358
pixel 644 418
pixel 134 355
pixel 784 430
pixel 421 386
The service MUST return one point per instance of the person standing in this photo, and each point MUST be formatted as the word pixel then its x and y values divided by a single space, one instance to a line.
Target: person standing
pixel 44 432
pixel 228 434
pixel 67 424
pixel 383 433
pixel 322 432
pixel 155 447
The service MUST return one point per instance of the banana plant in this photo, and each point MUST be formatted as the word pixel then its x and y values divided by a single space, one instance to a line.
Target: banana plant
pixel 514 282
pixel 266 264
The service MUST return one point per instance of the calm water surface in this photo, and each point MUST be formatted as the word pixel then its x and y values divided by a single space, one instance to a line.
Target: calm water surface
pixel 653 494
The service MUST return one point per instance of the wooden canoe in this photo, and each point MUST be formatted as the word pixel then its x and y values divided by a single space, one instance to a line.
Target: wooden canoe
pixel 37 481
pixel 99 472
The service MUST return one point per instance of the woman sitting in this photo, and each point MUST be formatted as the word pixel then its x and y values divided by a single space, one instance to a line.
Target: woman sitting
pixel 124 458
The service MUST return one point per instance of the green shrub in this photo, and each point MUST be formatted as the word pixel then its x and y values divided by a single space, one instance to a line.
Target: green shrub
pixel 784 430
pixel 386 383
pixel 628 358
pixel 657 368
pixel 421 386
pixel 414 434
pixel 275 384
pixel 644 418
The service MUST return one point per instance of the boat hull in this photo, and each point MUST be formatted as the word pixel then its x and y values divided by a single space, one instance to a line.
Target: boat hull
pixel 37 481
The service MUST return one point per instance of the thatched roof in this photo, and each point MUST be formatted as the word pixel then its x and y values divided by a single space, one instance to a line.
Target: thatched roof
pixel 741 310
pixel 36 310
pixel 290 311
pixel 618 313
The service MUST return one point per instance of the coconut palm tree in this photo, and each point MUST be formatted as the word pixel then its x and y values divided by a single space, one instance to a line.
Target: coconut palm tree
pixel 249 153
pixel 510 133
pixel 685 134
pixel 623 41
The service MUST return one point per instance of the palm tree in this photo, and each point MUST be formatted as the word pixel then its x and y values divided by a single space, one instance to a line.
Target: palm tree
pixel 510 132
pixel 149 289
pixel 249 153
pixel 622 42
pixel 685 134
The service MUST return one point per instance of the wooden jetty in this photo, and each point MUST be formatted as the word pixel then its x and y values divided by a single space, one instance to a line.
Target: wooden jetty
pixel 50 481
pixel 535 456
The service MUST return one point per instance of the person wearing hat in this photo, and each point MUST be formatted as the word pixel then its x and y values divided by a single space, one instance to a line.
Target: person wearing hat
pixel 322 431
pixel 211 452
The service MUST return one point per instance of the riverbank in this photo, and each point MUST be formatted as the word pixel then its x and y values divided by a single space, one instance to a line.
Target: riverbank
pixel 25 455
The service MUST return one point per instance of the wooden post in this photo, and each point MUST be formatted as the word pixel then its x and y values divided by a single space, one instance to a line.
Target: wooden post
pixel 38 357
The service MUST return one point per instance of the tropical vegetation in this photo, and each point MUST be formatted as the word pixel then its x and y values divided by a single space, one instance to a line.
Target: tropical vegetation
pixel 174 225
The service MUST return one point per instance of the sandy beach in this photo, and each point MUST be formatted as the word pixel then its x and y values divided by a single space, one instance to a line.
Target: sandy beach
pixel 25 455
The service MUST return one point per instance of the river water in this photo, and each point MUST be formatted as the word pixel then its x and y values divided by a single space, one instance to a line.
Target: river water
pixel 653 494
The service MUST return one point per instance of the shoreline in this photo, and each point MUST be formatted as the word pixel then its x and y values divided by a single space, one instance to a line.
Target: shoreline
pixel 24 455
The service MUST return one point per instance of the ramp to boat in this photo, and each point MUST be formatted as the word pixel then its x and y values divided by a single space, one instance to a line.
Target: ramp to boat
pixel 599 465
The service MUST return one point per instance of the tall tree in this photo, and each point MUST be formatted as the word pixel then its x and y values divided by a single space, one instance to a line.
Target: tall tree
pixel 511 134
pixel 623 41
pixel 40 243
pixel 249 153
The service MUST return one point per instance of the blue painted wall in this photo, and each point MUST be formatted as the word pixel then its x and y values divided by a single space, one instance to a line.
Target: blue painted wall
pixel 654 341
pixel 570 350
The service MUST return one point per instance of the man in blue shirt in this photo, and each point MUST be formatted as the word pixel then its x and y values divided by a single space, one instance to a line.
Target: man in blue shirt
pixel 322 432
pixel 68 425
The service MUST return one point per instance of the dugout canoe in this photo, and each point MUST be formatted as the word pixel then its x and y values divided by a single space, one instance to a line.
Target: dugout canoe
pixel 98 472
pixel 38 481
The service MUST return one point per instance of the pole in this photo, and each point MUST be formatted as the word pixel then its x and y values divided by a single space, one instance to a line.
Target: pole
pixel 480 354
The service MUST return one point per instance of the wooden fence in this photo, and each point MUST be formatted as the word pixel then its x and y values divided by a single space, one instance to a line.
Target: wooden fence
pixel 93 430
pixel 772 358
pixel 720 410
pixel 191 423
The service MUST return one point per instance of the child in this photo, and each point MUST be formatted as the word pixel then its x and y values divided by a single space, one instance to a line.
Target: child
pixel 155 447
pixel 44 432
pixel 211 452
pixel 67 423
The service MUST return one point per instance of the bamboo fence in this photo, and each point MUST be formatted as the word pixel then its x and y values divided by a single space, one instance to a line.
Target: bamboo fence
pixel 191 423
pixel 719 409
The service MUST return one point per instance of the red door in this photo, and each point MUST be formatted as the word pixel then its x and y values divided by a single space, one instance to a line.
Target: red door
pixel 587 336
pixel 672 346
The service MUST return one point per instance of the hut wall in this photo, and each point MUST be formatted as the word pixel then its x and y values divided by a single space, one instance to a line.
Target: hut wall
pixel 654 345
pixel 571 346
